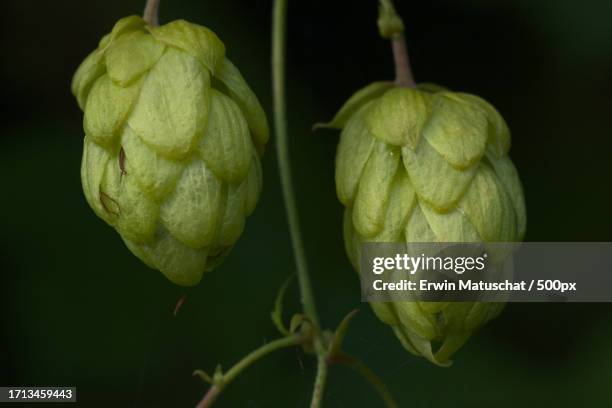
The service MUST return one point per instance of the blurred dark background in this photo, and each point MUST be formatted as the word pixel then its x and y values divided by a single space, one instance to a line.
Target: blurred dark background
pixel 76 308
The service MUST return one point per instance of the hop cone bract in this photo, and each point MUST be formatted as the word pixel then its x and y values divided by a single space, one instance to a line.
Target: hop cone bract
pixel 426 165
pixel 173 139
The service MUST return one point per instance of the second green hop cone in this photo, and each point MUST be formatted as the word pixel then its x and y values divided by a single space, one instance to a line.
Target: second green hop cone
pixel 426 165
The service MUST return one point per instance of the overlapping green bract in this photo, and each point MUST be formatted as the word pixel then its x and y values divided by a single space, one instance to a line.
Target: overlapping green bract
pixel 426 165
pixel 173 139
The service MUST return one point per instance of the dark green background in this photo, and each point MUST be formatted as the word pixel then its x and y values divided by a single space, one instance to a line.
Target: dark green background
pixel 78 309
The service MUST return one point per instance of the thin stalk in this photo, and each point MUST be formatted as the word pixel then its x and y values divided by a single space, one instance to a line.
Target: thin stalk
pixel 369 375
pixel 391 26
pixel 215 390
pixel 279 34
pixel 403 72
pixel 319 385
pixel 282 150
pixel 151 12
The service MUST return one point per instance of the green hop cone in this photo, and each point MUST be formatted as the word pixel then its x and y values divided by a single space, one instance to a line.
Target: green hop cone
pixel 173 140
pixel 426 165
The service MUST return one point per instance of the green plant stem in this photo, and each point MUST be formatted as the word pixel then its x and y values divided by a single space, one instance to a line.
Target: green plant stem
pixel 319 385
pixel 282 150
pixel 215 390
pixel 368 374
pixel 150 14
pixel 279 34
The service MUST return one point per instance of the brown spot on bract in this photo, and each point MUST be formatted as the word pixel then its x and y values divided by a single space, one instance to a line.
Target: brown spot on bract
pixel 122 162
pixel 110 205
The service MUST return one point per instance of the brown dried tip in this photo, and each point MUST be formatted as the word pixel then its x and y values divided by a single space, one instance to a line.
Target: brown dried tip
pixel 180 303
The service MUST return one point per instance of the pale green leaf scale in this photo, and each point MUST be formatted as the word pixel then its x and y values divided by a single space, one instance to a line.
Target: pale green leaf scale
pixel 85 178
pixel 398 117
pixel 418 233
pixel 93 67
pixel 452 226
pixel 241 93
pixel 139 214
pixel 354 149
pixel 123 26
pixel 198 41
pixel 173 105
pixel 401 201
pixel 107 109
pixel 179 263
pixel 418 229
pixel 384 313
pixel 434 179
pixel 105 41
pixel 350 246
pixel 462 319
pixel 509 178
pixel 84 173
pixel 498 141
pixel 457 130
pixel 86 75
pixel 110 194
pixel 422 345
pixel 508 230
pixel 488 208
pixel 411 315
pixel 373 191
pixel 452 342
pixel 156 175
pixel 234 216
pixel 194 211
pixel 95 159
pixel 413 341
pixel 142 251
pixel 253 184
pixel 403 338
pixel 131 55
pixel 355 102
pixel 226 143
pixel 134 216
pixel 455 317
